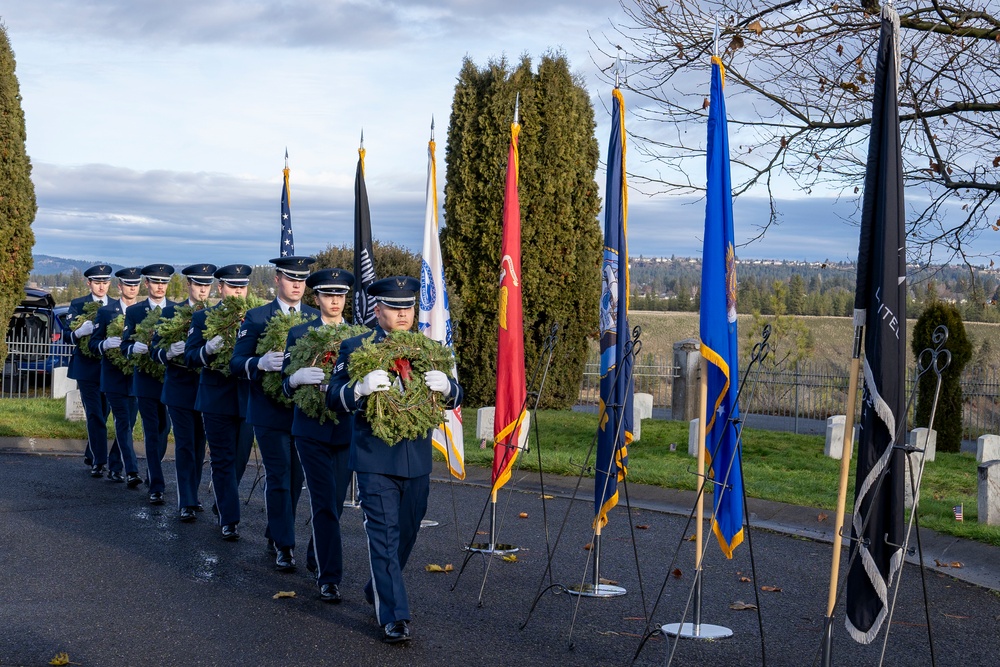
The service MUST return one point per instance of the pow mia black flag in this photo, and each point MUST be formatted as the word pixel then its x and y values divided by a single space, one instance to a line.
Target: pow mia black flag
pixel 364 258
pixel 880 306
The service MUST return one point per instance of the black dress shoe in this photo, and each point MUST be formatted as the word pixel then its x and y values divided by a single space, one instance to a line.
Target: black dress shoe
pixel 156 498
pixel 329 593
pixel 285 561
pixel 97 471
pixel 116 477
pixel 230 532
pixel 395 632
pixel 133 480
pixel 187 514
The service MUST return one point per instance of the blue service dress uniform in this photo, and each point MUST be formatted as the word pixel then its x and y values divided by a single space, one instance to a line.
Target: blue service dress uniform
pixel 148 390
pixel 117 387
pixel 324 450
pixel 87 373
pixel 222 405
pixel 272 424
pixel 180 391
pixel 393 485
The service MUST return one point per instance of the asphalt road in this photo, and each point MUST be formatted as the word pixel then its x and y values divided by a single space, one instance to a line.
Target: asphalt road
pixel 90 569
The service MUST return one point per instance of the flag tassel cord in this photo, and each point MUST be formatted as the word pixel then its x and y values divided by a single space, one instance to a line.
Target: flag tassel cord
pixel 632 348
pixel 927 361
pixel 760 352
pixel 539 376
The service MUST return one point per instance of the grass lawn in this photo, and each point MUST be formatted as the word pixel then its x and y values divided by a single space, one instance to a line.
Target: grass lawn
pixel 777 466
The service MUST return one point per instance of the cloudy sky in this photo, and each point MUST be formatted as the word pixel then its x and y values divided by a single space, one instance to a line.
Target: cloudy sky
pixel 157 130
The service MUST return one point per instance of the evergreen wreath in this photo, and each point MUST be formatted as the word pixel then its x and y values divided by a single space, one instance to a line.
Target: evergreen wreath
pixel 115 328
pixel 409 409
pixel 89 314
pixel 144 334
pixel 175 329
pixel 318 347
pixel 225 321
pixel 273 340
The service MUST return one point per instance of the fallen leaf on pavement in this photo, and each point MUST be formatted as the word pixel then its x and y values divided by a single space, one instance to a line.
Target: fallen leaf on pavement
pixel 740 605
pixel 677 573
pixel 609 582
pixel 770 589
pixel 434 567
pixel 643 526
pixel 481 532
pixel 547 497
pixel 588 546
pixel 689 538
pixel 745 579
pixel 953 563
pixel 523 515
pixel 821 517
pixel 62 659
pixel 283 594
pixel 965 618
pixel 510 559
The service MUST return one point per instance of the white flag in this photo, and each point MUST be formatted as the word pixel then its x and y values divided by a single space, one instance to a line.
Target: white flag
pixel 435 320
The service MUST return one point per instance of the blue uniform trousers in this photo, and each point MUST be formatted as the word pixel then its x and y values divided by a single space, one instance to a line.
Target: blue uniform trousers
pixel 282 483
pixel 393 507
pixel 222 431
pixel 244 445
pixel 189 453
pixel 155 428
pixel 95 406
pixel 327 477
pixel 124 409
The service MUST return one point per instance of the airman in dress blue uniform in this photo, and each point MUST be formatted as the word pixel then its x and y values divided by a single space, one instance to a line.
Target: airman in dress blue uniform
pixel 116 385
pixel 323 447
pixel 146 388
pixel 221 401
pixel 393 481
pixel 271 420
pixel 180 389
pixel 86 370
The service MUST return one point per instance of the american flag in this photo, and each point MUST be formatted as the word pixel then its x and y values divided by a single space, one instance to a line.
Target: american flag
pixel 959 514
pixel 287 248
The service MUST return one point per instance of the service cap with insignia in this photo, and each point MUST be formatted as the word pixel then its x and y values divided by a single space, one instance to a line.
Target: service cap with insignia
pixel 295 267
pixel 158 273
pixel 330 281
pixel 236 275
pixel 98 272
pixel 130 276
pixel 200 274
pixel 395 292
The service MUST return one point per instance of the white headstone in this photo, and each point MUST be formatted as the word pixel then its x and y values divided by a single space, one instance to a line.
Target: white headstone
pixel 61 383
pixel 988 448
pixel 643 405
pixel 924 439
pixel 636 424
pixel 693 438
pixel 484 423
pixel 74 407
pixel 834 447
pixel 989 493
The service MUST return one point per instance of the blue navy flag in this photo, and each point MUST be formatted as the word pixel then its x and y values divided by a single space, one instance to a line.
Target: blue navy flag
pixel 364 255
pixel 719 339
pixel 287 248
pixel 880 306
pixel 615 424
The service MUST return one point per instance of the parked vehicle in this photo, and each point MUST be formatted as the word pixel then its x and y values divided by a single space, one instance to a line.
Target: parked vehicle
pixel 37 340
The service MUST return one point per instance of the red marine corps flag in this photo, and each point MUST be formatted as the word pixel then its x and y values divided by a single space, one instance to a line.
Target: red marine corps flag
pixel 509 429
pixel 880 306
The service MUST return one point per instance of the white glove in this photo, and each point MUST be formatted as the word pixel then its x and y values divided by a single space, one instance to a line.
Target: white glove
pixel 214 345
pixel 110 343
pixel 374 381
pixel 437 381
pixel 85 329
pixel 176 349
pixel 271 361
pixel 307 375
pixel 139 347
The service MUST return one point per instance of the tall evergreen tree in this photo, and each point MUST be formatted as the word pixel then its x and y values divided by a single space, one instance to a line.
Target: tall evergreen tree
pixel 560 234
pixel 17 194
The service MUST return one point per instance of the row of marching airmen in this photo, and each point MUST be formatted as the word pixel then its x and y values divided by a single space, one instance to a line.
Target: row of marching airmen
pixel 227 411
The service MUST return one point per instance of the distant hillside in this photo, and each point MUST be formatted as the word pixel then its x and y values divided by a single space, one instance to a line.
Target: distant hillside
pixel 46 265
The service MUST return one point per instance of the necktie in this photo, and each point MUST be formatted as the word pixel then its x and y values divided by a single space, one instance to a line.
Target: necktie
pixel 291 310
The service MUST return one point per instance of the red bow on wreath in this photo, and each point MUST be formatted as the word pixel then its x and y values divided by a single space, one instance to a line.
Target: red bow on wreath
pixel 403 369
